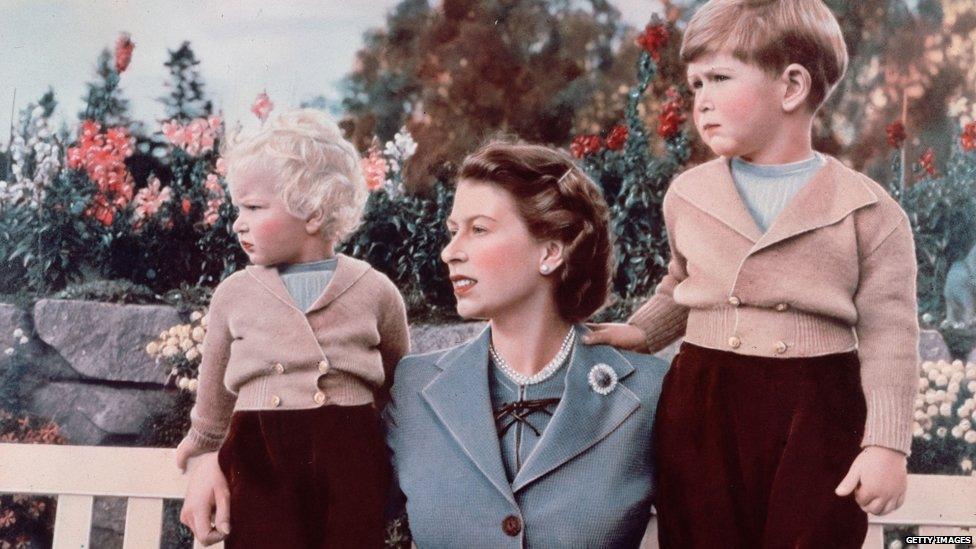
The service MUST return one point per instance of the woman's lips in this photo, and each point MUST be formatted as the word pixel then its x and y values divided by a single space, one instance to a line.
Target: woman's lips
pixel 247 246
pixel 462 285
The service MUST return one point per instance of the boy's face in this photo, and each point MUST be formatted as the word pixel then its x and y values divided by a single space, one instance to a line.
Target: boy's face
pixel 267 232
pixel 738 110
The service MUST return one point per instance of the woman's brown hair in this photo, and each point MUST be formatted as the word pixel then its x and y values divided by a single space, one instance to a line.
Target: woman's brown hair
pixel 557 201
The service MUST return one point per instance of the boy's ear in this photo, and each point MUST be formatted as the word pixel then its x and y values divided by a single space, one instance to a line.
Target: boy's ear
pixel 315 221
pixel 797 79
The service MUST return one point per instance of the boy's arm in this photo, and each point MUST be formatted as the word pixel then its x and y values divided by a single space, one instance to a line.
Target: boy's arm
pixel 660 318
pixel 210 415
pixel 887 333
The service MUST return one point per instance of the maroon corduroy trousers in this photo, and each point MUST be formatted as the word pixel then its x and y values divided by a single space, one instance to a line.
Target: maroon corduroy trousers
pixel 310 478
pixel 750 450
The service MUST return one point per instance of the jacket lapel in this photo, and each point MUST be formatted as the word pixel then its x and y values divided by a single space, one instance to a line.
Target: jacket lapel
pixel 823 201
pixel 460 399
pixel 348 271
pixel 583 417
pixel 268 278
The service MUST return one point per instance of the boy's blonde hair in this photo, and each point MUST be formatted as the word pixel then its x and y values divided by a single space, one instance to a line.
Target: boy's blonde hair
pixel 317 167
pixel 772 34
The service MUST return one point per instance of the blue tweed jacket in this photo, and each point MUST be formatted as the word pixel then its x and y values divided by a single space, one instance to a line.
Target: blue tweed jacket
pixel 588 482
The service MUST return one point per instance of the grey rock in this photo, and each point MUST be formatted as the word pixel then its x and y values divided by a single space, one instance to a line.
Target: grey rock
pixel 92 414
pixel 425 338
pixel 931 346
pixel 105 340
pixel 108 522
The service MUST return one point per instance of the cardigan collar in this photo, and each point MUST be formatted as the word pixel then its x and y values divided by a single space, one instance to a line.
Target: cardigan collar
pixel 348 271
pixel 830 195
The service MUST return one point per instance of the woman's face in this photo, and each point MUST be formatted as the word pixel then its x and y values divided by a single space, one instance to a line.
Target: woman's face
pixel 494 262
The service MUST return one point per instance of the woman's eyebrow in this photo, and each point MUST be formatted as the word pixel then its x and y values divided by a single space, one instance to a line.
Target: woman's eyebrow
pixel 471 218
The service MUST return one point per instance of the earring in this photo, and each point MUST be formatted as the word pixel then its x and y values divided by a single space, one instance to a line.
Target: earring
pixel 544 269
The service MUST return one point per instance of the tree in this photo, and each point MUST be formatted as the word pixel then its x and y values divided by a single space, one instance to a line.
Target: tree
pixel 186 99
pixel 104 102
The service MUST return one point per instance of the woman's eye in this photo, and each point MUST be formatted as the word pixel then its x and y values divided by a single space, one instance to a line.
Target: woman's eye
pixel 720 78
pixel 478 230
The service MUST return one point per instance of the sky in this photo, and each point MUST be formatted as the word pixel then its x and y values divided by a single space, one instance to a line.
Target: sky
pixel 294 50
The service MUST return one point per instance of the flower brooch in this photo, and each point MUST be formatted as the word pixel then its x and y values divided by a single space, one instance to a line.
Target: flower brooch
pixel 602 378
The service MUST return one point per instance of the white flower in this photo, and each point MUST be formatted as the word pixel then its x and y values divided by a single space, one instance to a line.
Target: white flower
pixel 183 383
pixel 966 465
pixel 18 333
pixel 195 316
pixel 8 351
pixel 941 432
pixel 23 340
pixel 192 355
pixel 970 437
pixel 602 378
pixel 927 318
pixel 945 409
pixel 192 385
pixel 896 544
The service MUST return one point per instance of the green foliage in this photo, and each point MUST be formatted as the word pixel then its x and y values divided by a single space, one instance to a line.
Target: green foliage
pixel 111 291
pixel 186 99
pixel 104 102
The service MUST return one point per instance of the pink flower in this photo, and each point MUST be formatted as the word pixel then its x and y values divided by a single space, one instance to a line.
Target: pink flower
pixel 221 167
pixel 149 200
pixel 123 52
pixel 262 106
pixel 197 137
pixel 212 213
pixel 968 137
pixel 174 133
pixel 375 169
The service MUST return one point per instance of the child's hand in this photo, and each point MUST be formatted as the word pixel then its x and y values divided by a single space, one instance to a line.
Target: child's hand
pixel 621 336
pixel 182 454
pixel 206 490
pixel 878 477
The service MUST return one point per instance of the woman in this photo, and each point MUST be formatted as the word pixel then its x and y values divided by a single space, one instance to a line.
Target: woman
pixel 523 436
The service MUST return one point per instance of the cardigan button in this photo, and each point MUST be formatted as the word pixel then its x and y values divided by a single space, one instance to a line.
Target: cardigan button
pixel 279 368
pixel 275 401
pixel 780 347
pixel 324 365
pixel 512 525
pixel 319 397
pixel 734 342
pixel 782 307
pixel 734 301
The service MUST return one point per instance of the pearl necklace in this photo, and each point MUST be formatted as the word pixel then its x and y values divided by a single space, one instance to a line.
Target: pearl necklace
pixel 543 374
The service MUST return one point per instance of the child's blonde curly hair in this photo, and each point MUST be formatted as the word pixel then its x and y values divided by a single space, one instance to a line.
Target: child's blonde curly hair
pixel 318 167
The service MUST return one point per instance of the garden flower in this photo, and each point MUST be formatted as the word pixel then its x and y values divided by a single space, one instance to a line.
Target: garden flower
pixel 654 37
pixel 672 115
pixel 617 138
pixel 262 106
pixel 148 201
pixel 374 168
pixel 896 134
pixel 968 137
pixel 8 351
pixel 123 52
pixel 927 161
pixel 221 167
pixel 584 145
pixel 18 333
pixel 102 156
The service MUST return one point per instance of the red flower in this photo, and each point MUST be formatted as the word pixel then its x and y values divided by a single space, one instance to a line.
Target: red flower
pixel 968 137
pixel 584 145
pixel 262 106
pixel 896 134
pixel 102 156
pixel 672 115
pixel 185 206
pixel 617 138
pixel 654 37
pixel 123 52
pixel 927 161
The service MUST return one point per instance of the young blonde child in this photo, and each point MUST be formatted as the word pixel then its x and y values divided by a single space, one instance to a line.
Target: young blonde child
pixel 787 412
pixel 298 356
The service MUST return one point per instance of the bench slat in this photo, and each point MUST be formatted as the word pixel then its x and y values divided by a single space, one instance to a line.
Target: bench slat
pixel 72 522
pixel 935 500
pixel 875 537
pixel 143 523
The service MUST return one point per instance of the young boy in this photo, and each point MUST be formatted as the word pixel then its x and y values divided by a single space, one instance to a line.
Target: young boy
pixel 298 356
pixel 787 413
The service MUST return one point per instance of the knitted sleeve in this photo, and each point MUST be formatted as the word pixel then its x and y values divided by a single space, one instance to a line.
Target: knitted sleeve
pixel 394 335
pixel 887 333
pixel 660 318
pixel 210 415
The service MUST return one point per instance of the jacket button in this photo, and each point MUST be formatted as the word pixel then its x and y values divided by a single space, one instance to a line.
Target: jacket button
pixel 734 301
pixel 782 307
pixel 512 525
pixel 324 365
pixel 275 401
pixel 780 347
pixel 319 397
pixel 279 368
pixel 734 342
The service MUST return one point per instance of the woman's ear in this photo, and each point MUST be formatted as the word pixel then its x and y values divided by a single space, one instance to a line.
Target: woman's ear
pixel 552 257
pixel 797 79
pixel 315 221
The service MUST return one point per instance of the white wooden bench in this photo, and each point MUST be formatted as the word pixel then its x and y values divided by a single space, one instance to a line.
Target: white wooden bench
pixel 939 505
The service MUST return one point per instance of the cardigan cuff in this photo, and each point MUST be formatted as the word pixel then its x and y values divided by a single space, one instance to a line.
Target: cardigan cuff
pixel 201 443
pixel 889 418
pixel 662 321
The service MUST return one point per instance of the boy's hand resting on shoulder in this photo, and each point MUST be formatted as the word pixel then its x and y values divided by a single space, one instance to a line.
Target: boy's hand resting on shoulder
pixel 206 508
pixel 878 478
pixel 621 336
